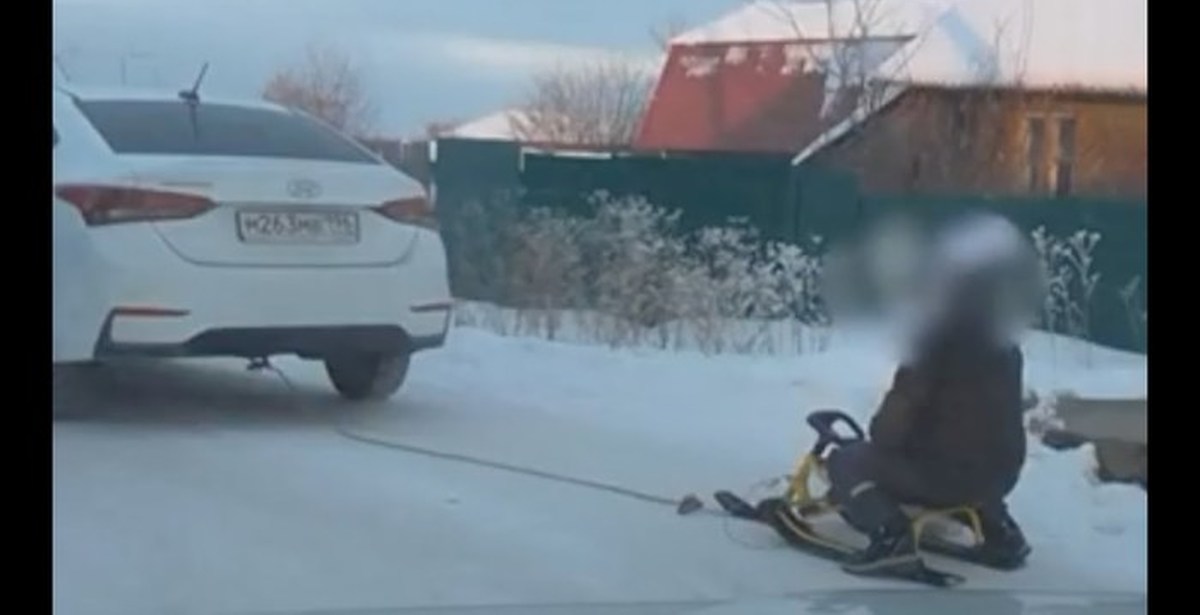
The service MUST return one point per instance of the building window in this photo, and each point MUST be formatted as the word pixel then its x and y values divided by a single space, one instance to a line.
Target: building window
pixel 1065 163
pixel 1050 141
pixel 1035 152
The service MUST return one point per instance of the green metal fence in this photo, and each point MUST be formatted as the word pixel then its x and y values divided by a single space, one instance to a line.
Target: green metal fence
pixel 709 189
pixel 479 185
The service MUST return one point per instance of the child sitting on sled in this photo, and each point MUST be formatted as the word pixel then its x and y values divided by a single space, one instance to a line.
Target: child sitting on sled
pixel 949 432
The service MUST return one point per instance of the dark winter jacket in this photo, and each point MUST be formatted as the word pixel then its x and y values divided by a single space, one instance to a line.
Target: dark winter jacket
pixel 954 410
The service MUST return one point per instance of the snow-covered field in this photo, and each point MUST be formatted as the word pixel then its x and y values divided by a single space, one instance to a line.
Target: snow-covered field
pixel 201 488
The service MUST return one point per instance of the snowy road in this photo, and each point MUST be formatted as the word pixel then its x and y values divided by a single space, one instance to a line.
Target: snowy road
pixel 200 488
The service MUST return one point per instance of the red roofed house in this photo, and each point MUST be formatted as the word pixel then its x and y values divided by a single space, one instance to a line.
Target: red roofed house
pixel 757 80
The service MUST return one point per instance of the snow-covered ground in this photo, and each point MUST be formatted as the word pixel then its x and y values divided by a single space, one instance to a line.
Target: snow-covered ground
pixel 199 487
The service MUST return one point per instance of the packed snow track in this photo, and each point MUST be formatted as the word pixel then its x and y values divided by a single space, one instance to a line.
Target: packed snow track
pixel 199 487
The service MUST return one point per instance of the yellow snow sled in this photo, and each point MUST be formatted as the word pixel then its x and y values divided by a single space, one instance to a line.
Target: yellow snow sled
pixel 792 513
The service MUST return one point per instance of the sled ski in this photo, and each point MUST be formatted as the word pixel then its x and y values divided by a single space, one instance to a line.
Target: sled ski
pixel 736 506
pixel 798 533
pixel 969 554
pixel 915 572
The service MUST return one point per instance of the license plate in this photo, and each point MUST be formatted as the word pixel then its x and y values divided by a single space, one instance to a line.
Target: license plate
pixel 298 227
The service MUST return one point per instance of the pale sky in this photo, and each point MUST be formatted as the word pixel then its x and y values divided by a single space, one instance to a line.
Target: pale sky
pixel 423 60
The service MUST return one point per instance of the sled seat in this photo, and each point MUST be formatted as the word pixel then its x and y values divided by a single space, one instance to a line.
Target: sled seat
pixel 808 506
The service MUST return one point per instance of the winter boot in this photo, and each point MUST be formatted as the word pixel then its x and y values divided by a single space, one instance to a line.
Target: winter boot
pixel 891 548
pixel 1004 544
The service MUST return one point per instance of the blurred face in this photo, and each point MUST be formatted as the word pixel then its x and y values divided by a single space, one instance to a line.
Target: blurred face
pixel 984 273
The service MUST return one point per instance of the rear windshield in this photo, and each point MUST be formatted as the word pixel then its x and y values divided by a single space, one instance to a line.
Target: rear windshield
pixel 177 128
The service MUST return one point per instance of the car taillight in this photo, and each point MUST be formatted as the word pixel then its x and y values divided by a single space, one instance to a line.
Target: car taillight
pixel 413 210
pixel 116 204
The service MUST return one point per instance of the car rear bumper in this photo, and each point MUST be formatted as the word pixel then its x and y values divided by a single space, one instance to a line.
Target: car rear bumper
pixel 165 306
pixel 306 342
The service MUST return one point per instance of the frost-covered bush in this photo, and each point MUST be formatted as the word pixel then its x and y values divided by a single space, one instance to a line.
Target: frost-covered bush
pixel 631 252
pixel 545 268
pixel 1070 282
pixel 626 276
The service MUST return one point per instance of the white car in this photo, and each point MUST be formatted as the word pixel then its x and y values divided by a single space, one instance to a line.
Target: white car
pixel 189 227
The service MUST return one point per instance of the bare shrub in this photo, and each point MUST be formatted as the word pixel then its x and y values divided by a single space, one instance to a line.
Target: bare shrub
pixel 328 85
pixel 597 104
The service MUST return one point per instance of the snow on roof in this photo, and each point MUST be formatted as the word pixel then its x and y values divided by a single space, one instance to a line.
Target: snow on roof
pixel 787 20
pixel 513 125
pixel 1073 44
pixel 1093 44
pixel 1082 45
pixel 857 116
pixel 498 126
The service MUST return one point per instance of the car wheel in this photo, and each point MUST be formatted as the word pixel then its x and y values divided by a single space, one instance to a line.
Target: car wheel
pixel 363 377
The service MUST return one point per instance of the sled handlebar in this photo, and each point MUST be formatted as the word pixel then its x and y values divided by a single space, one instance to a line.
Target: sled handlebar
pixel 824 422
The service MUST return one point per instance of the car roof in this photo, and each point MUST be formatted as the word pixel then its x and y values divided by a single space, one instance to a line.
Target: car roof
pixel 123 93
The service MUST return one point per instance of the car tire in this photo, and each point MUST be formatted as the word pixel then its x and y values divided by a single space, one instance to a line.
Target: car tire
pixel 367 377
